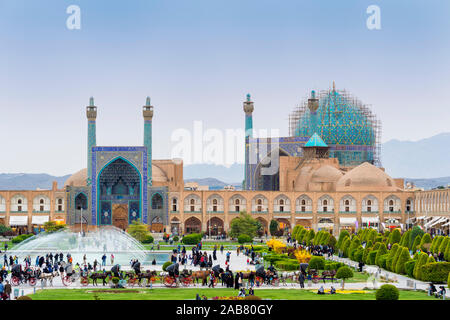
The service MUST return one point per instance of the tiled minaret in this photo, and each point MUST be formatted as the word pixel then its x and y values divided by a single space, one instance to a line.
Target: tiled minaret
pixel 147 112
pixel 91 114
pixel 248 109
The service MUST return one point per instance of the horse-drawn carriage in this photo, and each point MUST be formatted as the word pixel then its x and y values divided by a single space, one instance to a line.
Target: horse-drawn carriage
pixel 174 278
pixel 18 276
pixel 269 277
pixel 326 275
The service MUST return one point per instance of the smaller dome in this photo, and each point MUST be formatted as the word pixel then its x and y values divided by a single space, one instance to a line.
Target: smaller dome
pixel 366 177
pixel 158 175
pixel 78 179
pixel 326 173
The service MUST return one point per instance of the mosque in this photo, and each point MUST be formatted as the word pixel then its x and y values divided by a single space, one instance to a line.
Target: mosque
pixel 326 175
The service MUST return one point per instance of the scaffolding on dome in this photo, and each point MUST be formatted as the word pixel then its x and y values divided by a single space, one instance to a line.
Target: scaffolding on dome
pixel 348 126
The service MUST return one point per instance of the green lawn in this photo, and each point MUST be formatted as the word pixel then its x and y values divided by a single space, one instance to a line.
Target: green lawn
pixel 189 294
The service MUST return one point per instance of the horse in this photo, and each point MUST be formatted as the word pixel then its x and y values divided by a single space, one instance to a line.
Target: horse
pixel 202 274
pixel 45 276
pixel 146 275
pixel 96 275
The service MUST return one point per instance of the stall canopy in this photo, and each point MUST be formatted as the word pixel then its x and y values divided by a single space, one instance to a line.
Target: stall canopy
pixel 347 221
pixel 39 220
pixel 370 220
pixel 18 220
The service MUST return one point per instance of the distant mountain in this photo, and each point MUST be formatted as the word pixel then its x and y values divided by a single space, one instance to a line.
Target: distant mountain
pixel 233 174
pixel 430 183
pixel 214 183
pixel 426 158
pixel 29 181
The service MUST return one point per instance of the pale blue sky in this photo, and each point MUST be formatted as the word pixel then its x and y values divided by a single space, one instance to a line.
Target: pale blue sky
pixel 197 60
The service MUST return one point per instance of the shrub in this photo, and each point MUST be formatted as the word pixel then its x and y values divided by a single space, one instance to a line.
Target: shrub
pixel 403 258
pixel 317 263
pixel 148 239
pixel 366 255
pixel 431 259
pixel 382 250
pixel 395 236
pixel 287 264
pixel 409 268
pixel 342 235
pixel 436 243
pixel 435 272
pixel 115 280
pixel 443 245
pixel 21 238
pixel 448 280
pixel 345 245
pixel 387 292
pixel 382 260
pixel 192 238
pixel 243 238
pixel 332 241
pixel 165 265
pixel 425 242
pixel 416 244
pixel 404 242
pixel 358 255
pixel 422 260
pixel 176 238
pixel 372 256
pixel 24 298
pixel 354 244
pixel 396 257
pixel 392 253
pixel 344 273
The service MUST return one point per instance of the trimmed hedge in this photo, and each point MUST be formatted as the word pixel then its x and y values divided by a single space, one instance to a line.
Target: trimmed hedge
pixel 402 260
pixel 409 268
pixel 387 292
pixel 148 239
pixel 21 238
pixel 244 238
pixel 192 239
pixel 317 263
pixel 287 264
pixel 372 256
pixel 435 272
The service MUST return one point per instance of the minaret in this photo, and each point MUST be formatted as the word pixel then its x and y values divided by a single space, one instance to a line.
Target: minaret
pixel 91 114
pixel 248 109
pixel 147 112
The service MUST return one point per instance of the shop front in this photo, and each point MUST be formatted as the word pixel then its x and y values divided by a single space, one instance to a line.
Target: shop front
pixel 37 223
pixel 19 224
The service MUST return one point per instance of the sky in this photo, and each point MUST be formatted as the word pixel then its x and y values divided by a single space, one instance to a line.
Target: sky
pixel 198 59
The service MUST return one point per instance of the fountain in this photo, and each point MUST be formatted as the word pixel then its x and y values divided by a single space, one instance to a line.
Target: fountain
pixel 105 240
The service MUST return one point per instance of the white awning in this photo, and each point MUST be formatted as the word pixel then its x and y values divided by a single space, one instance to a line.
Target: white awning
pixel 325 225
pixel 347 221
pixel 2 216
pixel 441 220
pixel 420 218
pixel 18 220
pixel 370 219
pixel 39 220
pixel 303 217
pixel 282 217
pixel 175 221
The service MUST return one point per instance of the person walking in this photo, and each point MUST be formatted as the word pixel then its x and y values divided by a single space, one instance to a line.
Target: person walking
pixel 112 259
pixel 7 291
pixel 103 260
pixel 301 280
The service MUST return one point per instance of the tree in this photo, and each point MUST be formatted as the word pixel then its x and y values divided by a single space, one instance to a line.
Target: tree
pixel 244 224
pixel 416 231
pixel 273 227
pixel 52 226
pixel 344 273
pixel 443 245
pixel 138 230
pixel 345 245
pixel 396 257
pixel 387 292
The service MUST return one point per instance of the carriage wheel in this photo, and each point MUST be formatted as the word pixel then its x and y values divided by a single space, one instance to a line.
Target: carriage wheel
pixel 67 281
pixel 84 281
pixel 169 281
pixel 144 282
pixel 15 281
pixel 315 280
pixel 32 281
